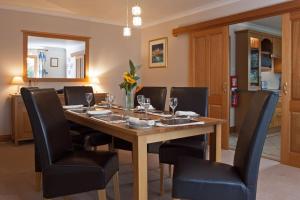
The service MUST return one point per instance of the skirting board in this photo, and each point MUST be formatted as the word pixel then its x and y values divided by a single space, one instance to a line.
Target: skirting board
pixel 5 138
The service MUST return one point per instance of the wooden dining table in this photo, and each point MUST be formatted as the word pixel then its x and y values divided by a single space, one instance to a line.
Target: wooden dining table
pixel 141 137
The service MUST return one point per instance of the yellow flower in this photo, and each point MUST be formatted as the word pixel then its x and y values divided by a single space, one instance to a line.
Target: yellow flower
pixel 129 79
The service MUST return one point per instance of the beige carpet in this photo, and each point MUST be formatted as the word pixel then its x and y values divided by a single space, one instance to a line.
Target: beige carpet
pixel 276 181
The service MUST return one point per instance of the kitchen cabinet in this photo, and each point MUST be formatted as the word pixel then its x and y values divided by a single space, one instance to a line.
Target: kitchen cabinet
pixel 256 52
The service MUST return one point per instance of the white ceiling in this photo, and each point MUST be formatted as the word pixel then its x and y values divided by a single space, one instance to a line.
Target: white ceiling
pixel 114 11
pixel 271 22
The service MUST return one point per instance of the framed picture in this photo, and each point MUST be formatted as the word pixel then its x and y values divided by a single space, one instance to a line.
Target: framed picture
pixel 158 53
pixel 53 62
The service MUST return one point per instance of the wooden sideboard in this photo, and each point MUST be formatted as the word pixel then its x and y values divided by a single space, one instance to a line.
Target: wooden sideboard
pixel 20 124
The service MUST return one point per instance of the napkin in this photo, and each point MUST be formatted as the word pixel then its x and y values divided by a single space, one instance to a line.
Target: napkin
pixel 142 108
pixel 137 121
pixel 186 113
pixel 72 106
pixel 99 112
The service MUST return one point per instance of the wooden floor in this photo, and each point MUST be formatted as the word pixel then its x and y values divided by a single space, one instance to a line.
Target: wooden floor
pixel 276 181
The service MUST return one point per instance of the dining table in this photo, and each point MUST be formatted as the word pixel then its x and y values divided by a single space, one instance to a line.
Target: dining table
pixel 140 137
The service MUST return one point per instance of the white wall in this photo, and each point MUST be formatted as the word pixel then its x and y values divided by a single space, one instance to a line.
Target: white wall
pixel 109 52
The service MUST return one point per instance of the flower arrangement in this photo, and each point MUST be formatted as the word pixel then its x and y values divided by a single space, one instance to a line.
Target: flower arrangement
pixel 129 83
pixel 130 79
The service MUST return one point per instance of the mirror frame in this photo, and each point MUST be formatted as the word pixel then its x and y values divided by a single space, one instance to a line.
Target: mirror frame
pixel 27 33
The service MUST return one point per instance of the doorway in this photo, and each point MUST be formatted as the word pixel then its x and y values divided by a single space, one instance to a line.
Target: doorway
pixel 256 64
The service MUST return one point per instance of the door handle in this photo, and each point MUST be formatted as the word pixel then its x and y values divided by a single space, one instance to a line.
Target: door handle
pixel 225 87
pixel 285 88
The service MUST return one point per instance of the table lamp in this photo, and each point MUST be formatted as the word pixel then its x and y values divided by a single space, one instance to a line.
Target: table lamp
pixel 17 80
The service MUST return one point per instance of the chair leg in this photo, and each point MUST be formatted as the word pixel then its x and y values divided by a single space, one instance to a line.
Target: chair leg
pixel 38 181
pixel 162 167
pixel 116 184
pixel 102 194
pixel 171 169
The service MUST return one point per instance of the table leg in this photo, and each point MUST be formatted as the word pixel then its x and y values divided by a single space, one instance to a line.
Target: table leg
pixel 140 183
pixel 215 151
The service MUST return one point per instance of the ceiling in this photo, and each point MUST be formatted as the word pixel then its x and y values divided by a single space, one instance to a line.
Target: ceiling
pixel 271 22
pixel 114 11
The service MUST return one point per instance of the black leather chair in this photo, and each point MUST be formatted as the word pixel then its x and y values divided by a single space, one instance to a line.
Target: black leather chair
pixel 157 96
pixel 189 99
pixel 64 170
pixel 199 179
pixel 76 142
pixel 75 95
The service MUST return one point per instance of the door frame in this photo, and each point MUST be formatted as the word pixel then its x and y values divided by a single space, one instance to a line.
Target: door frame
pixel 282 9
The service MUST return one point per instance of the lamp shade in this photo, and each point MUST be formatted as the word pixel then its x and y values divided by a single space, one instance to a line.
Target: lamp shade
pixel 17 80
pixel 126 31
pixel 136 10
pixel 137 21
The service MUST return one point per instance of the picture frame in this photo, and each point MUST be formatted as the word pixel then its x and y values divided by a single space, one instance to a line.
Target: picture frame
pixel 53 62
pixel 158 53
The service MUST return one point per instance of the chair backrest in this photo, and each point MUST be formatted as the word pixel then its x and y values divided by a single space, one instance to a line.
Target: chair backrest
pixel 75 95
pixel 191 99
pixel 252 136
pixel 49 125
pixel 157 96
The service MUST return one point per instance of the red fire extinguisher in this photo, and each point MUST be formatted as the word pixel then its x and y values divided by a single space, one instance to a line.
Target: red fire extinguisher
pixel 234 91
pixel 234 98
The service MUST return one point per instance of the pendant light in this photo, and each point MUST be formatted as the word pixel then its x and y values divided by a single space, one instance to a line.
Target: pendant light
pixel 136 10
pixel 136 13
pixel 137 21
pixel 127 29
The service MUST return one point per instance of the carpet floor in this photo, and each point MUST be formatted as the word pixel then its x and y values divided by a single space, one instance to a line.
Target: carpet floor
pixel 276 181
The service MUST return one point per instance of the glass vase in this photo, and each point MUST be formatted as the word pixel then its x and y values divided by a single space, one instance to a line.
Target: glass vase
pixel 129 100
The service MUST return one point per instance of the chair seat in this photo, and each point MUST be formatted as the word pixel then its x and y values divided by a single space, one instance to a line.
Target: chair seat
pixel 89 136
pixel 79 171
pixel 125 145
pixel 170 151
pixel 200 179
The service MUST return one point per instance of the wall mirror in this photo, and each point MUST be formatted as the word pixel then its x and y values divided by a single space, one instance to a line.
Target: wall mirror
pixel 55 57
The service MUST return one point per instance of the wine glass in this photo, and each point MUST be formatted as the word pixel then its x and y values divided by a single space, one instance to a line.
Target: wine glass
pixel 146 105
pixel 140 99
pixel 173 104
pixel 89 98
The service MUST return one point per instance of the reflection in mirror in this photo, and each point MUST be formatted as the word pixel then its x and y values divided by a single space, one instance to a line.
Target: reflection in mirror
pixel 55 58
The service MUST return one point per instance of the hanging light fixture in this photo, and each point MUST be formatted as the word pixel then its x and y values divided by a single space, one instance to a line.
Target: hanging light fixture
pixel 136 13
pixel 136 10
pixel 127 29
pixel 137 21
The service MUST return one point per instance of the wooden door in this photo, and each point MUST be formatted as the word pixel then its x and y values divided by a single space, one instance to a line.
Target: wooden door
pixel 210 68
pixel 290 153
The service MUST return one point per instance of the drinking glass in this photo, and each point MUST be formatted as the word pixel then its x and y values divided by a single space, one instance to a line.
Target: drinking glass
pixel 89 98
pixel 173 104
pixel 140 99
pixel 110 100
pixel 146 105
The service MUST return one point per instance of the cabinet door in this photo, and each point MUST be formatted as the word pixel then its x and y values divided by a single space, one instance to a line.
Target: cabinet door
pixel 277 47
pixel 23 129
